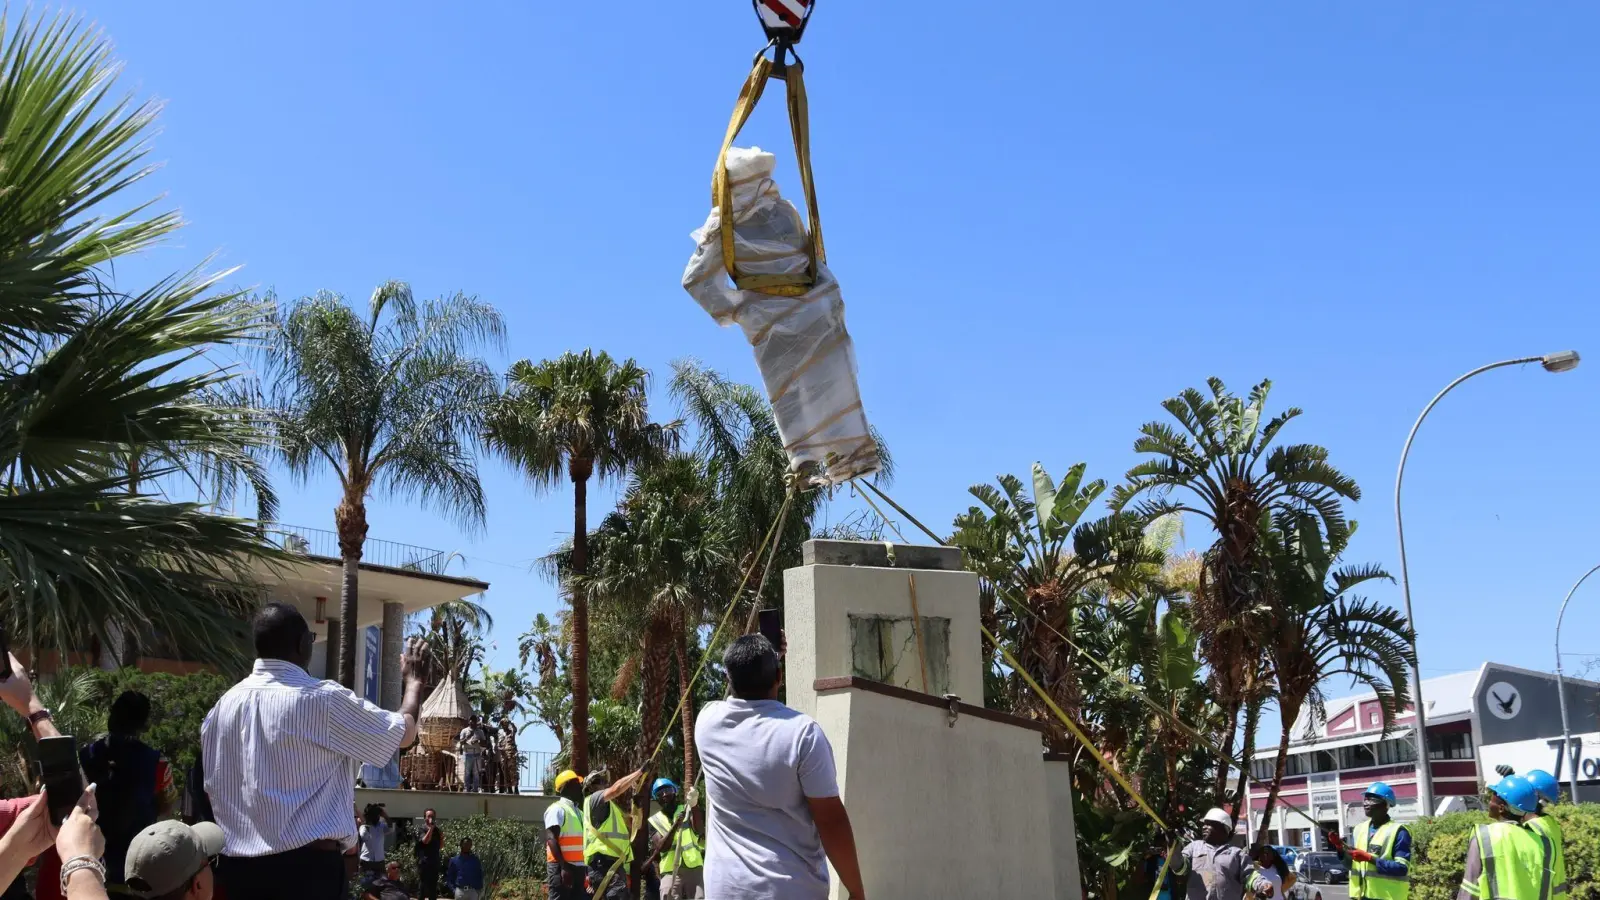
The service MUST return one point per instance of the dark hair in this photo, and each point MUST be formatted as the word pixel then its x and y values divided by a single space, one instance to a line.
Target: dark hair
pixel 752 667
pixel 465 842
pixel 130 713
pixel 1277 862
pixel 370 814
pixel 280 631
pixel 177 893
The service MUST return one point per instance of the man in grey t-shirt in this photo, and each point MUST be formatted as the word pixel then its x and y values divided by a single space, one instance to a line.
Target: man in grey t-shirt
pixel 775 818
pixel 1215 869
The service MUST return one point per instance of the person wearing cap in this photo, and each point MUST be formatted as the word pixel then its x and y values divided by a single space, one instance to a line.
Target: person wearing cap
pixel 172 861
pixel 1506 859
pixel 1224 871
pixel 563 839
pixel 1548 791
pixel 1380 855
pixel 682 862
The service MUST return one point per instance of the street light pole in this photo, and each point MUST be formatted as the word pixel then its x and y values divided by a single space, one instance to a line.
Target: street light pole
pixel 1565 361
pixel 1569 755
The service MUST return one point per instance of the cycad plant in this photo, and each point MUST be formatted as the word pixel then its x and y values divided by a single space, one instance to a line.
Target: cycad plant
pixel 389 398
pixel 1324 631
pixel 94 377
pixel 1221 466
pixel 1039 556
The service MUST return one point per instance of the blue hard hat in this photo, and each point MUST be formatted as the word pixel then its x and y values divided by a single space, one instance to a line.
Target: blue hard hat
pixel 1382 791
pixel 1517 793
pixel 1545 785
pixel 662 783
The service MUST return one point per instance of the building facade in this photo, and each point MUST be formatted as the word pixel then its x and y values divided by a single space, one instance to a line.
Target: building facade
pixel 1493 715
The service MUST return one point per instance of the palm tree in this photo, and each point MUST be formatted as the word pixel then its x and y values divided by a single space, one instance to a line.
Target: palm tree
pixel 1040 558
pixel 576 417
pixel 92 377
pixel 391 399
pixel 454 632
pixel 1324 631
pixel 1226 471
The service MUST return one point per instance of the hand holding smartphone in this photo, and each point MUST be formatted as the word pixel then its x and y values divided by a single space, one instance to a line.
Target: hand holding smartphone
pixel 771 628
pixel 63 779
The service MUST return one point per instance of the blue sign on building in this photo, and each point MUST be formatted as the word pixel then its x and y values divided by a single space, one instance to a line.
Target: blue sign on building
pixel 370 681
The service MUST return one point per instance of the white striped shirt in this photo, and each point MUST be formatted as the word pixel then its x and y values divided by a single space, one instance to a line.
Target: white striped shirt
pixel 281 752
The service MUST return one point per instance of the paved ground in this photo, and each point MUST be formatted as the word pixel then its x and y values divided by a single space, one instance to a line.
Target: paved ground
pixel 1330 891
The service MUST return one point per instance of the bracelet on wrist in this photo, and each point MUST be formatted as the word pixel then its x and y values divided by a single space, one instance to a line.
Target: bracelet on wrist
pixel 81 864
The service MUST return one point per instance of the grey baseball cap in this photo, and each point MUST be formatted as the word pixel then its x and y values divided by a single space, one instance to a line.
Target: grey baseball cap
pixel 163 857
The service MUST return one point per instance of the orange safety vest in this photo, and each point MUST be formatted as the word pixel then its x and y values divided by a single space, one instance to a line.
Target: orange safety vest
pixel 571 835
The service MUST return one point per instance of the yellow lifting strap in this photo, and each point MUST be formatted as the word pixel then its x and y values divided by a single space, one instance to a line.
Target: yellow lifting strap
pixel 722 190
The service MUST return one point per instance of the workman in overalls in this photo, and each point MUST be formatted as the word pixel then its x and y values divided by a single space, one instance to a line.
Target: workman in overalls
pixel 681 861
pixel 607 835
pixel 1549 794
pixel 1380 851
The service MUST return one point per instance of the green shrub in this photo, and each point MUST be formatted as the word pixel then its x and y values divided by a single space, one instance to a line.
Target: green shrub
pixel 1439 851
pixel 512 854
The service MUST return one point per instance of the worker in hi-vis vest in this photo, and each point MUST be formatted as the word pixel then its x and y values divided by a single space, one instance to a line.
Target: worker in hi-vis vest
pixel 608 844
pixel 1506 859
pixel 1548 792
pixel 1380 850
pixel 563 840
pixel 680 862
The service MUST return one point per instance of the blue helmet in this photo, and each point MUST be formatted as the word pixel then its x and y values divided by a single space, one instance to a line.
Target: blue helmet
pixel 1545 785
pixel 1517 793
pixel 1382 792
pixel 662 783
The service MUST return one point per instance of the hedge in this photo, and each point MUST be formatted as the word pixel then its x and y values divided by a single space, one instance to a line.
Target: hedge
pixel 1439 851
pixel 512 854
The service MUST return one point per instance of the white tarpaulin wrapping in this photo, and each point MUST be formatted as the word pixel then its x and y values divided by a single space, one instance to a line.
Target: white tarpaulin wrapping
pixel 806 358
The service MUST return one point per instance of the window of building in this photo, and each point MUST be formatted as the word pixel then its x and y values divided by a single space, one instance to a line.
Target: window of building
pixel 1263 769
pixel 1450 746
pixel 1395 751
pixel 1361 756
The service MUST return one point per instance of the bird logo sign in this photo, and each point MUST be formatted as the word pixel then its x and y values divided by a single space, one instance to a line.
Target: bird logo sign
pixel 1504 701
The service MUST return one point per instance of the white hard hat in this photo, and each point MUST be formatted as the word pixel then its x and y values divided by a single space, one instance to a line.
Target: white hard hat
pixel 1220 817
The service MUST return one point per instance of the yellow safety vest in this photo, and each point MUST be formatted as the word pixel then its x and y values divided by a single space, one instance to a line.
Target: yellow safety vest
pixel 686 849
pixel 1550 828
pixel 1365 879
pixel 610 837
pixel 1513 863
pixel 572 834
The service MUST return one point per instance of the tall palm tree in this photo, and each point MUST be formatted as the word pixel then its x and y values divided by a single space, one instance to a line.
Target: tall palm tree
pixel 93 376
pixel 576 417
pixel 1324 631
pixel 1040 558
pixel 390 399
pixel 1223 468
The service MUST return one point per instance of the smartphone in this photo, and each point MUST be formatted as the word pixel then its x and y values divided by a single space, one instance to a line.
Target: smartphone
pixel 771 627
pixel 63 779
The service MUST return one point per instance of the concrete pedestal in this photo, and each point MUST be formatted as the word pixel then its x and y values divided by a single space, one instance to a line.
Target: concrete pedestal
pixel 922 775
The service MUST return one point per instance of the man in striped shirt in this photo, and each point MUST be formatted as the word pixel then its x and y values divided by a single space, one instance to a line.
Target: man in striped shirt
pixel 282 750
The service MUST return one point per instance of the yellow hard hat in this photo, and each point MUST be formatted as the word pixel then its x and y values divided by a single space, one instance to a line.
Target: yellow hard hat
pixel 567 776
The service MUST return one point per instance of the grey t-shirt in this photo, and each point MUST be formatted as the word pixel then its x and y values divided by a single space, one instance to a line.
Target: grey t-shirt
pixel 761 761
pixel 1215 873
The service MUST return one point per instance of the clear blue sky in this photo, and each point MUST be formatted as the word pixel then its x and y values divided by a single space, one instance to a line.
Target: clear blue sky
pixel 1045 218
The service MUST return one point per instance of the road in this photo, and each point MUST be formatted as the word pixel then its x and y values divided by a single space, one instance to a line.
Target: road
pixel 1329 891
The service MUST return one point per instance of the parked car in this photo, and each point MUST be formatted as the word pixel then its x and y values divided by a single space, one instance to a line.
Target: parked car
pixel 1323 868
pixel 1289 855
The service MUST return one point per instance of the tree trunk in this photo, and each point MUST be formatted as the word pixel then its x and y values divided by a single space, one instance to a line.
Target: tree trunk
pixel 653 696
pixel 686 697
pixel 1230 711
pixel 1252 718
pixel 1288 716
pixel 580 624
pixel 350 518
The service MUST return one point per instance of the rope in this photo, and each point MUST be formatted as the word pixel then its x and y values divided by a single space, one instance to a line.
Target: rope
pixel 683 696
pixel 1127 683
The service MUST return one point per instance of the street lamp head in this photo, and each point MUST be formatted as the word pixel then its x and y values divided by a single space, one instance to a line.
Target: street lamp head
pixel 1565 361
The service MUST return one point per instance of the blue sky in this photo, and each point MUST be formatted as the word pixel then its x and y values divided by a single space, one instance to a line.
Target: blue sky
pixel 1045 220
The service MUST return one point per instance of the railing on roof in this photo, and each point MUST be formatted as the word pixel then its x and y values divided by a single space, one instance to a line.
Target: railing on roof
pixel 321 542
